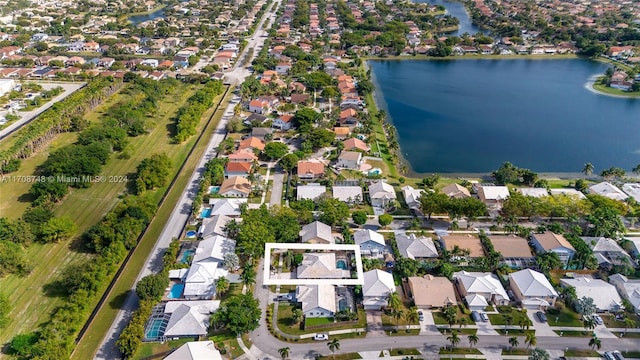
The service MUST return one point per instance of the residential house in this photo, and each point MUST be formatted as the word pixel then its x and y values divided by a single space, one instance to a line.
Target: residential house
pixel 311 191
pixel 261 133
pixel 354 144
pixel 228 207
pixel 349 160
pixel 213 226
pixel 195 350
pixel 207 267
pixel 316 233
pixel 609 190
pixel 188 318
pixel 479 289
pixel 342 132
pixel 348 194
pixel 310 169
pixel 317 300
pixel 90 46
pixel 607 252
pixel 377 286
pixel 532 289
pixel 557 243
pixel 252 143
pixel 514 251
pixel 633 190
pixel 493 196
pixel 635 246
pixel 604 295
pixel 456 191
pixel 283 122
pixel 320 266
pixel 259 106
pixel 431 292
pixel 412 197
pixel 371 243
pixel 237 168
pixel 243 155
pixel 416 248
pixel 533 192
pixel 567 192
pixel 381 194
pixel 628 289
pixel 235 186
pixel 463 243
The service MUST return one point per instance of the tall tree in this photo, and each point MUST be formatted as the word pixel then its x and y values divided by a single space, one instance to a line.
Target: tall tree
pixel 222 285
pixel 240 314
pixel 334 345
pixel 473 340
pixel 513 342
pixel 284 352
pixel 248 275
pixel 393 300
pixel 594 342
pixel 539 354
pixel 454 339
pixel 587 169
pixel 531 340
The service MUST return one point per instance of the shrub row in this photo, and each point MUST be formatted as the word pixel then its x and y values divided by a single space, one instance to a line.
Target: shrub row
pixel 189 116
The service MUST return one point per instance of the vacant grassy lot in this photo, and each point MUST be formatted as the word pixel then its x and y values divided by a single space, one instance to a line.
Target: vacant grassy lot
pixel 91 341
pixel 565 317
pixel 32 302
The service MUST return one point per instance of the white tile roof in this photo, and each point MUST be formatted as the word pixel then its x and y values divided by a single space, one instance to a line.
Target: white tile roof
pixel 481 283
pixel 412 196
pixel 319 266
pixel 316 296
pixel 608 190
pixel 495 192
pixel 229 207
pixel 316 230
pixel 213 249
pixel 347 193
pixel 362 236
pixel 310 192
pixel 633 190
pixel 532 283
pixel 195 350
pixel 534 192
pixel 568 192
pixel 213 225
pixel 629 289
pixel 189 317
pixel 381 190
pixel 604 295
pixel 377 283
pixel 413 247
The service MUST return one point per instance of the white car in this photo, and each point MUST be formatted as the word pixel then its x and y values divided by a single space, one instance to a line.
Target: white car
pixel 598 320
pixel 320 337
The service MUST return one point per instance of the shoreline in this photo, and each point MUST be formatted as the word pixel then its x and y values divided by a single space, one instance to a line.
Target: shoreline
pixel 379 103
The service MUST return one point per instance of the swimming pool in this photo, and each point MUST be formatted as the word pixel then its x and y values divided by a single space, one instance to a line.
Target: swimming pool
pixel 191 234
pixel 176 291
pixel 154 329
pixel 343 304
pixel 205 213
pixel 186 255
pixel 341 264
pixel 214 189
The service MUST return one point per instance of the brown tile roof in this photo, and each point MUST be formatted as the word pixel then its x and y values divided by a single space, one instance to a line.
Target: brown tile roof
pixel 550 241
pixel 244 154
pixel 354 143
pixel 511 246
pixel 431 291
pixel 464 242
pixel 315 168
pixel 253 143
pixel 237 183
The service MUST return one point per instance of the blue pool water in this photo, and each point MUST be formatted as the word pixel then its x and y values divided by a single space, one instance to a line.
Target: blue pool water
pixel 341 264
pixel 191 234
pixel 176 291
pixel 214 189
pixel 205 213
pixel 186 255
pixel 154 329
pixel 342 304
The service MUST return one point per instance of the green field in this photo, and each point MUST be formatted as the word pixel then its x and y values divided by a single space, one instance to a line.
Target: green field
pixel 31 302
pixel 89 344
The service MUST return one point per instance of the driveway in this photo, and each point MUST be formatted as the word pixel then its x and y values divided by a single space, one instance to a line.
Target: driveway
pixel 276 188
pixel 374 323
pixel 428 325
pixel 541 328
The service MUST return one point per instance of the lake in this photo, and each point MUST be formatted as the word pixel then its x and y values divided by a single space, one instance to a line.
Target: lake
pixel 470 115
pixel 456 9
pixel 137 19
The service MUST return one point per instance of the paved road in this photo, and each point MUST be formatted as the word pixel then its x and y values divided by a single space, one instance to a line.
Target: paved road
pixel 179 216
pixel 26 117
pixel 276 187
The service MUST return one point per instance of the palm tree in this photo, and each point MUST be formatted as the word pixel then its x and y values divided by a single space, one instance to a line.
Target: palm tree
pixel 587 169
pixel 595 343
pixel 296 315
pixel 473 340
pixel 524 323
pixel 539 354
pixel 334 345
pixel 513 342
pixel 398 314
pixel 462 321
pixel 248 275
pixel 589 323
pixel 508 320
pixel 222 285
pixel 531 340
pixel 454 339
pixel 284 352
pixel 628 323
pixel 412 316
pixel 287 259
pixel 393 299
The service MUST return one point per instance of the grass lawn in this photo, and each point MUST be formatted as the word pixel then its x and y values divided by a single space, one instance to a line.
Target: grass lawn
pixel 581 353
pixel 347 356
pixel 514 332
pixel 631 354
pixel 439 318
pixel 285 311
pixel 516 351
pixel 314 321
pixel 459 331
pixel 398 352
pixel 229 342
pixel 611 322
pixel 575 333
pixel 412 332
pixel 498 319
pixel 459 350
pixel 630 335
pixel 566 317
pixel 89 344
pixel 599 86
pixel 157 349
pixel 388 320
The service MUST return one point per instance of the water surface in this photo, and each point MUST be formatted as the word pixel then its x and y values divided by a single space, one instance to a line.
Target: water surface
pixel 456 9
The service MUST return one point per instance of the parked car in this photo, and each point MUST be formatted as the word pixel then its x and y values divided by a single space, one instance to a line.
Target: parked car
pixel 541 316
pixel 320 337
pixel 284 297
pixel 617 355
pixel 476 316
pixel 420 315
pixel 608 355
pixel 484 317
pixel 598 320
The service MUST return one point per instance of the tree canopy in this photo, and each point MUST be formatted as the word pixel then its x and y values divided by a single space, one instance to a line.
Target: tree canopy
pixel 239 314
